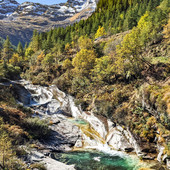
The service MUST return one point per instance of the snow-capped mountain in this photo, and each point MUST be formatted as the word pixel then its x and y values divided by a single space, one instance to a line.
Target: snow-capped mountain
pixel 12 9
pixel 19 20
pixel 7 7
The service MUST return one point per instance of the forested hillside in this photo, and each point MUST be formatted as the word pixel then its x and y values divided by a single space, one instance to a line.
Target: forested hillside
pixel 114 16
pixel 116 63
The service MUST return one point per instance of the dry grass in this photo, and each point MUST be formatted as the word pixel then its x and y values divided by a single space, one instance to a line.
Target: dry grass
pixel 79 15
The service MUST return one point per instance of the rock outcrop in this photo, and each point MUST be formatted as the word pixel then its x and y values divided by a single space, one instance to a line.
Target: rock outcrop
pixel 49 163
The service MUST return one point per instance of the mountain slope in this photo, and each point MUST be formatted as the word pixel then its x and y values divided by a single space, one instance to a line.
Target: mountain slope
pixel 19 20
pixel 7 7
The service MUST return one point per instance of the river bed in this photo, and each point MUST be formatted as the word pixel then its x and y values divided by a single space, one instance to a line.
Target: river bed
pixel 95 152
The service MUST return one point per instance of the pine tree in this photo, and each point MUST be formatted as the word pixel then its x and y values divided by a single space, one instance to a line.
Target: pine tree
pixel 48 43
pixel 26 46
pixel 7 50
pixel 20 49
pixel 35 43
pixel 149 7
pixel 67 38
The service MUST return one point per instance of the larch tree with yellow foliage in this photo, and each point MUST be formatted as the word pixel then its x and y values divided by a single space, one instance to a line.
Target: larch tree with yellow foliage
pixel 15 60
pixel 100 32
pixel 85 43
pixel 84 61
pixel 103 69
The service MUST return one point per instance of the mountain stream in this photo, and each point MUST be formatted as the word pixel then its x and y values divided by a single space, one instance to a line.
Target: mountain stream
pixel 95 146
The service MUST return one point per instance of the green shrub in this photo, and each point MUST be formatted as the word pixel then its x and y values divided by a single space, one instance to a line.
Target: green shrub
pixel 26 110
pixel 38 166
pixel 9 71
pixel 37 128
pixel 6 96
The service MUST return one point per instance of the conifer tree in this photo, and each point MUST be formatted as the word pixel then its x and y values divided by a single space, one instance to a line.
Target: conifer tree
pixel 20 49
pixel 7 50
pixel 26 46
pixel 35 43
pixel 48 44
pixel 149 7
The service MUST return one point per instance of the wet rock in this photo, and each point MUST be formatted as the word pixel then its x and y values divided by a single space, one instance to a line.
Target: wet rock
pixel 166 159
pixel 117 140
pixel 79 144
pixel 168 163
pixel 49 163
pixel 36 156
pixel 129 149
pixel 161 149
pixel 35 159
pixel 148 157
pixel 52 164
pixel 64 147
pixel 64 135
pixel 95 123
pixel 133 142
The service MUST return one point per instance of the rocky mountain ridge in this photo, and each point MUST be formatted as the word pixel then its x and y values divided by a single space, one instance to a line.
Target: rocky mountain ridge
pixel 19 20
pixel 7 7
pixel 11 9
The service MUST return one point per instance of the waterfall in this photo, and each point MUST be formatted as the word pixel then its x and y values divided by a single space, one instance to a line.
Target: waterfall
pixel 52 101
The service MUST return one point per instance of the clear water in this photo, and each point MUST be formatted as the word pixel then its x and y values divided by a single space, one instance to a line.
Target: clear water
pixel 93 160
pixel 79 121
